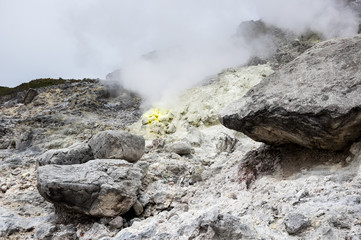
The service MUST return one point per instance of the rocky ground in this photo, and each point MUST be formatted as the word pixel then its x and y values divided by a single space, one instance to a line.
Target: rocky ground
pixel 186 177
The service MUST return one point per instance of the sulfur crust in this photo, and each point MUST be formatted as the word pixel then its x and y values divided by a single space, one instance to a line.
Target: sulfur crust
pixel 199 106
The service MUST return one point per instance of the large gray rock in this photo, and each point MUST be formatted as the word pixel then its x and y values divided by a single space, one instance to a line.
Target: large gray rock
pixel 314 101
pixel 98 188
pixel 75 154
pixel 117 145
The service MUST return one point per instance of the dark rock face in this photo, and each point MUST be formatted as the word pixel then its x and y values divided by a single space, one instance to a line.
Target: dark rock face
pixel 287 160
pixel 30 95
pixel 258 30
pixel 96 188
pixel 314 101
pixel 274 45
pixel 288 51
pixel 5 136
pixel 117 145
pixel 262 161
pixel 75 154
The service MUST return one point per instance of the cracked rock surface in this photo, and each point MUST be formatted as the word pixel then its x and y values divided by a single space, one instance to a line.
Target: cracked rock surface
pixel 112 144
pixel 97 188
pixel 75 154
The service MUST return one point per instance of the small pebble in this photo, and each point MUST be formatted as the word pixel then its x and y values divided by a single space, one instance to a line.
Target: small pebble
pixel 4 188
pixel 116 223
pixel 16 172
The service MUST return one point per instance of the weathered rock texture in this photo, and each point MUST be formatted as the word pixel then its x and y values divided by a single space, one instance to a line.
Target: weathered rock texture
pixel 11 222
pixel 117 145
pixel 314 101
pixel 98 188
pixel 286 160
pixel 75 154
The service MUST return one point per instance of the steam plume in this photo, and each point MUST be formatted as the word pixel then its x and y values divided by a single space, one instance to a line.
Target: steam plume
pixel 160 46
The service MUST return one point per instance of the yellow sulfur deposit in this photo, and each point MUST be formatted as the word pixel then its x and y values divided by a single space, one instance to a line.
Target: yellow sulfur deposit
pixel 157 115
pixel 158 121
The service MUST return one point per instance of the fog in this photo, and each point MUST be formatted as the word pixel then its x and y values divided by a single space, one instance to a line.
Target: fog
pixel 160 46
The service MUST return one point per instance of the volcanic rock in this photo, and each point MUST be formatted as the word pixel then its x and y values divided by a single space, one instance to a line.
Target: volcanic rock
pixel 286 160
pixel 30 95
pixel 75 154
pixel 45 231
pixel 117 145
pixel 24 140
pixel 65 232
pixel 295 223
pixel 11 222
pixel 117 222
pixel 101 188
pixel 314 101
pixel 213 225
pixel 181 148
pixel 97 231
pixel 138 208
pixel 259 30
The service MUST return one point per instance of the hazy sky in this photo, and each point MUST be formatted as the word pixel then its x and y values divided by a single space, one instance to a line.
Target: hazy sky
pixel 90 38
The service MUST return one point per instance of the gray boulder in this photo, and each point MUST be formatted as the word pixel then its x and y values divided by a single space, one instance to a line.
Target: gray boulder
pixel 100 188
pixel 314 101
pixel 117 145
pixel 75 154
pixel 116 223
pixel 181 148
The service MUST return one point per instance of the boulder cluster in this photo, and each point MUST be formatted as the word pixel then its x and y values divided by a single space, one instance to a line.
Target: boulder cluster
pixel 99 178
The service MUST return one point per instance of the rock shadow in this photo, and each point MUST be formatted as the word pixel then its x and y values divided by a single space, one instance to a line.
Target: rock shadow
pixel 293 161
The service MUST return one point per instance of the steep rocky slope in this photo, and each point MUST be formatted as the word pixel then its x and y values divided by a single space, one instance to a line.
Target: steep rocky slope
pixel 56 118
pixel 196 179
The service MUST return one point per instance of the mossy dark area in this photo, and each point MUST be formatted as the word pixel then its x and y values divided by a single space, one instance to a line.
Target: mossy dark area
pixel 38 83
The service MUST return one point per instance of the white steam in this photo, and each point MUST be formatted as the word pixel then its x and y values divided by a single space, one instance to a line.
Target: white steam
pixel 161 46
pixel 332 18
